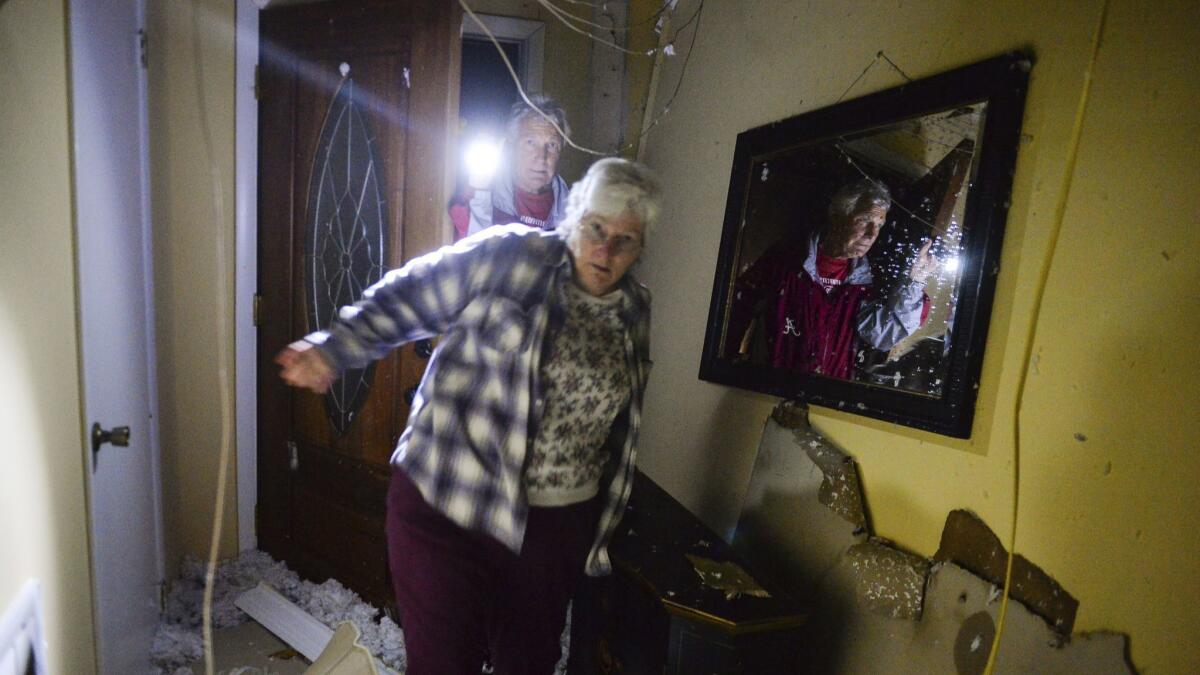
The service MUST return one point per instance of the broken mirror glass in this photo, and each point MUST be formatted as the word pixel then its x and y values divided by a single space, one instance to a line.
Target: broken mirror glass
pixel 861 244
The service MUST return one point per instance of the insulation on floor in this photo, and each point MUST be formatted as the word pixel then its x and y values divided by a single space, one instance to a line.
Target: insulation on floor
pixel 178 645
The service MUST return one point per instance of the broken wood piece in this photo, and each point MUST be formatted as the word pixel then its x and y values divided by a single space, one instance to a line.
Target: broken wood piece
pixel 299 629
pixel 726 576
pixel 344 655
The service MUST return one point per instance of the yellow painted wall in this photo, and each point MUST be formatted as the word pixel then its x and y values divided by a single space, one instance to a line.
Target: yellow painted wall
pixel 186 277
pixel 43 504
pixel 1113 517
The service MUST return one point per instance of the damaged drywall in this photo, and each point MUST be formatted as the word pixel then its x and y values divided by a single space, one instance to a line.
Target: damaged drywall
pixel 804 527
pixel 786 527
pixel 968 541
pixel 889 581
pixel 840 489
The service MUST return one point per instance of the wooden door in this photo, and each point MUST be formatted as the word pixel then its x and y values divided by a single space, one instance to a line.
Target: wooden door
pixel 355 108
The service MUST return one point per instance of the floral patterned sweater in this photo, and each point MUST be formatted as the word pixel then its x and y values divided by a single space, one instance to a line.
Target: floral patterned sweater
pixel 585 384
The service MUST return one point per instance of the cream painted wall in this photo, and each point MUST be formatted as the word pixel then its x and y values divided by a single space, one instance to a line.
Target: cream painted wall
pixel 187 275
pixel 43 503
pixel 1112 517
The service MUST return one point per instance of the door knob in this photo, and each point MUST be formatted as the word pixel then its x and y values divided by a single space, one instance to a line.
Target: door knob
pixel 118 436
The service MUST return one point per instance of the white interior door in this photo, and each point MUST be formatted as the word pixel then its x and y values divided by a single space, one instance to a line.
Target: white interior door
pixel 112 222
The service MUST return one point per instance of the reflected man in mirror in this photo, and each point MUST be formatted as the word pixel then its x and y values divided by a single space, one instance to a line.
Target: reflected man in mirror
pixel 810 305
pixel 528 189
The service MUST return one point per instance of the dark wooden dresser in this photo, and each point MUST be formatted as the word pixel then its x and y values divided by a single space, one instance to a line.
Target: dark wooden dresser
pixel 654 615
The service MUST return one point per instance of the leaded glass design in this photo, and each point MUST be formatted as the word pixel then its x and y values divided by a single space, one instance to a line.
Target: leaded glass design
pixel 346 234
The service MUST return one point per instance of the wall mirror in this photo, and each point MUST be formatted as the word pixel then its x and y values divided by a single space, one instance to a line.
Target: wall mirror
pixel 861 245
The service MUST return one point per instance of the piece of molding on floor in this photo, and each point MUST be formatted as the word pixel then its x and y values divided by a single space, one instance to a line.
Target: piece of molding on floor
pixel 344 655
pixel 299 629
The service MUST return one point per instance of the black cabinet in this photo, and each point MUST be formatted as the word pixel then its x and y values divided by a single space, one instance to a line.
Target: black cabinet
pixel 655 616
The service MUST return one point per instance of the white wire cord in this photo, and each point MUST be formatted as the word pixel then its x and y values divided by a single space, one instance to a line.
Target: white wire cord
pixel 512 71
pixel 561 13
pixel 223 337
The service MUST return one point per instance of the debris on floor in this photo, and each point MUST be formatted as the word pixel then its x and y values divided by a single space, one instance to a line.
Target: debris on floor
pixel 726 576
pixel 178 642
pixel 178 646
pixel 344 655
pixel 302 631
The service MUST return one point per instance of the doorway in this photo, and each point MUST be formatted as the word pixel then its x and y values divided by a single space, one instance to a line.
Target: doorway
pixel 354 119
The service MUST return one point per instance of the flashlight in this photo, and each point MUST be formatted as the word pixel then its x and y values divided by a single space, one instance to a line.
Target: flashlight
pixel 482 160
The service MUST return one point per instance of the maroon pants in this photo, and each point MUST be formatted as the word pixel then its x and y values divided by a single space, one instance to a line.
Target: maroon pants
pixel 462 595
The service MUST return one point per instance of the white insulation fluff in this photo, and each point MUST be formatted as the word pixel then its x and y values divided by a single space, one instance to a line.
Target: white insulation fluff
pixel 178 643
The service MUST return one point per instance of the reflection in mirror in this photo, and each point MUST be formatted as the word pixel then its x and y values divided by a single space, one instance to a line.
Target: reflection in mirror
pixel 847 262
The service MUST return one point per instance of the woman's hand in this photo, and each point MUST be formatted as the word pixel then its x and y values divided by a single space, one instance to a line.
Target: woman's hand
pixel 305 367
pixel 924 265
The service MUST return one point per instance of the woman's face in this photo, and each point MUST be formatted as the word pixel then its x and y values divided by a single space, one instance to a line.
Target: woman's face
pixel 604 248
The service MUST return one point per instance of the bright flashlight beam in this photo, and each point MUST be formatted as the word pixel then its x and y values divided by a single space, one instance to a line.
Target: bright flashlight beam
pixel 482 159
pixel 951 264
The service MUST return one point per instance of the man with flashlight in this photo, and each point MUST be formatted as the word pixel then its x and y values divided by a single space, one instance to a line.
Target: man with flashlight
pixel 520 184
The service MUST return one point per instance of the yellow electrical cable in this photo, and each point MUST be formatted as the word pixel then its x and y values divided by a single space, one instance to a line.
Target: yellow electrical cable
pixel 1043 275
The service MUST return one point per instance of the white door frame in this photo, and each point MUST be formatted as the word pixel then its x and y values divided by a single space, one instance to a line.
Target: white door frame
pixel 245 339
pixel 531 34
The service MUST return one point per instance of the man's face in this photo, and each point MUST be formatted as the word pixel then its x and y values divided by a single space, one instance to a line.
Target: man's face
pixel 535 157
pixel 604 249
pixel 854 236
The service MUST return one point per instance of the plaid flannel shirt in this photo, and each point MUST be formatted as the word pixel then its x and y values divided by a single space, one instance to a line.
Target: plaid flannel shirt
pixel 478 406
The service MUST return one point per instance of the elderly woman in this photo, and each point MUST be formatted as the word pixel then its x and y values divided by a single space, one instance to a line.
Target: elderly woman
pixel 518 457
pixel 817 298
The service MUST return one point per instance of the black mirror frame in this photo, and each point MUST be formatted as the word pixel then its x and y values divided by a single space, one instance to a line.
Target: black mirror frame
pixel 1001 82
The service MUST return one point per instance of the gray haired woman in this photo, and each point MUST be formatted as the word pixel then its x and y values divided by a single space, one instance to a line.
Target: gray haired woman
pixel 518 457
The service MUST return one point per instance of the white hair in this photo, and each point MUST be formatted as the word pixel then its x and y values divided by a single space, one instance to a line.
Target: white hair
pixel 521 111
pixel 858 196
pixel 611 187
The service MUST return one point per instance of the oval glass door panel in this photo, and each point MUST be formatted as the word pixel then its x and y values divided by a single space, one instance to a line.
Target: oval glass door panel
pixel 345 235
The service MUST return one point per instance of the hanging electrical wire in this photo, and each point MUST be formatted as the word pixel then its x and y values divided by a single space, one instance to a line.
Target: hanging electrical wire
pixel 669 49
pixel 520 88
pixel 682 72
pixel 615 29
pixel 224 338
pixel 1039 295
pixel 566 21
pixel 512 71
